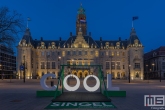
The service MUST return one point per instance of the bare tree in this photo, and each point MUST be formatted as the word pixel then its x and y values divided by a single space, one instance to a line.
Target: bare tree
pixel 11 24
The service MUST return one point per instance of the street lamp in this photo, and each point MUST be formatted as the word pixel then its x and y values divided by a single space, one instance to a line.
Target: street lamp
pixel 111 63
pixel 153 68
pixel 2 71
pixel 129 73
pixel 147 72
pixel 160 73
pixel 47 62
pixel 59 59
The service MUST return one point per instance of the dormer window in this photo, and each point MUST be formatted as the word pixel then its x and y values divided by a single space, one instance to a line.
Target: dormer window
pixel 136 42
pixel 154 54
pixel 107 45
pixel 24 42
pixel 42 45
pixel 53 45
pixel 118 45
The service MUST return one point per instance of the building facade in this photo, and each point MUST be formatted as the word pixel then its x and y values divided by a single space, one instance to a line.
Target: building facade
pixel 7 62
pixel 118 57
pixel 154 64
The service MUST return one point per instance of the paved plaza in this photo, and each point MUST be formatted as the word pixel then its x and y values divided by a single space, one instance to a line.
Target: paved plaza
pixel 16 95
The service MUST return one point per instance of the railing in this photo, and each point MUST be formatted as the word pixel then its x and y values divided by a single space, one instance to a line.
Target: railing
pixel 101 77
pixel 60 78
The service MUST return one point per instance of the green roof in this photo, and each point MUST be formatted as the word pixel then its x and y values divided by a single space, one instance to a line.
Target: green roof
pixel 81 10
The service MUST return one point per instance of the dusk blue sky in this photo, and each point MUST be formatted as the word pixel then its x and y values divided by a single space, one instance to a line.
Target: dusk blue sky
pixel 108 19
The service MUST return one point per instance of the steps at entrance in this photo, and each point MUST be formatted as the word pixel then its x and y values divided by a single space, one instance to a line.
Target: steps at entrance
pixel 81 97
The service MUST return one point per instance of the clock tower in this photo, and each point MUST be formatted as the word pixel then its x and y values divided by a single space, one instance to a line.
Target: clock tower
pixel 81 21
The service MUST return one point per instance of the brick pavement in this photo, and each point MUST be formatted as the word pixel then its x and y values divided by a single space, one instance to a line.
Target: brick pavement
pixel 22 96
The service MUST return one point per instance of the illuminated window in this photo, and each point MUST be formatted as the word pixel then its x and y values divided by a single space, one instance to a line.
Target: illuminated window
pixel 42 65
pixel 106 53
pixel 63 53
pixel 112 53
pixel 118 65
pixel 113 65
pixel 117 53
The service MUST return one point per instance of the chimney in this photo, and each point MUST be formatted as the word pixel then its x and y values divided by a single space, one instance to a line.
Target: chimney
pixel 100 38
pixel 119 38
pixel 89 33
pixel 70 33
pixel 41 39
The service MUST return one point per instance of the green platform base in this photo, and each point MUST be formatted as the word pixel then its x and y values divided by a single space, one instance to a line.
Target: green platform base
pixel 43 93
pixel 115 93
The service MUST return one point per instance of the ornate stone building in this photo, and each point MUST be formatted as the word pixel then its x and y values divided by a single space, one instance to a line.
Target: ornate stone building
pixel 118 57
pixel 154 64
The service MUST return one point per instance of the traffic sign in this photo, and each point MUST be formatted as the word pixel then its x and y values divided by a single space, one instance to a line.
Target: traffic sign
pixel 21 67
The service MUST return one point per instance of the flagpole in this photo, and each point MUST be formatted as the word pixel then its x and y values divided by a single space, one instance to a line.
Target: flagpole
pixel 27 22
pixel 80 26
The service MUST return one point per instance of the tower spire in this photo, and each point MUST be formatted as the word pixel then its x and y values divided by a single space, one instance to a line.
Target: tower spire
pixel 28 19
pixel 81 24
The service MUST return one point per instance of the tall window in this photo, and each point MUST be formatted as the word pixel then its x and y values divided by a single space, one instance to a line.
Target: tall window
pixel 48 65
pixel 106 52
pixel 123 67
pixel 113 65
pixel 58 53
pixel 107 65
pixel 53 53
pixel 163 65
pixel 92 52
pixel 74 52
pixel 112 53
pixel 53 65
pixel 48 53
pixel 79 52
pixel 42 53
pixel 123 53
pixel 137 65
pixel 118 65
pixel 37 65
pixel 118 54
pixel 42 65
pixel 102 53
pixel 85 52
pixel 68 53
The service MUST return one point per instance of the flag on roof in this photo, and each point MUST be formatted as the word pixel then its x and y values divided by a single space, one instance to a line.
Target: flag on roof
pixel 134 18
pixel 83 21
pixel 28 19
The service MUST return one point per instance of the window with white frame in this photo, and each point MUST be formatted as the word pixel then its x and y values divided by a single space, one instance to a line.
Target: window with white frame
pixel 113 65
pixel 107 65
pixel 137 65
pixel 53 65
pixel 42 65
pixel 163 65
